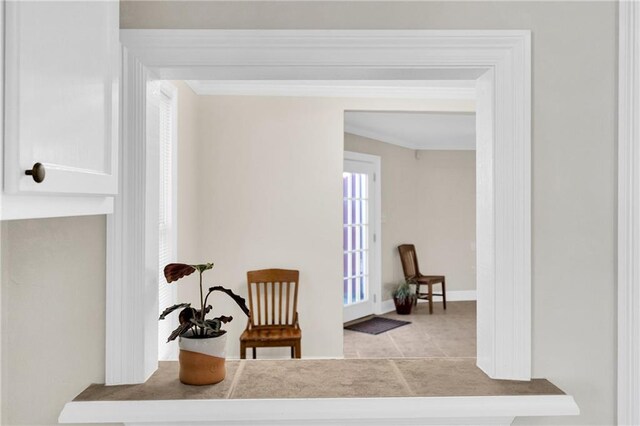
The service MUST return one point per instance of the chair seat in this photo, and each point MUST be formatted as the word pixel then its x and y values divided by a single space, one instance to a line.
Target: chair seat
pixel 271 333
pixel 429 279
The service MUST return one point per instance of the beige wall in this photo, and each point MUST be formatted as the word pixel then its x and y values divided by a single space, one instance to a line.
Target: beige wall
pixel 189 180
pixel 428 199
pixel 573 156
pixel 271 197
pixel 53 310
pixel 574 95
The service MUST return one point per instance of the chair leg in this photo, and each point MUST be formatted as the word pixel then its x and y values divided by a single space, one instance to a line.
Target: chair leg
pixel 243 350
pixel 430 298
pixel 293 353
pixel 444 295
pixel 415 302
pixel 298 349
pixel 254 353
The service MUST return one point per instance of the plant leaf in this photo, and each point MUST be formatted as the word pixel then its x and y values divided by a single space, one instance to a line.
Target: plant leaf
pixel 182 328
pixel 239 300
pixel 217 322
pixel 198 322
pixel 213 324
pixel 203 267
pixel 224 319
pixel 175 271
pixel 170 309
pixel 186 315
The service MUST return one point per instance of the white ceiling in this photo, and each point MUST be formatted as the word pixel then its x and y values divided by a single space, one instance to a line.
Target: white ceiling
pixel 415 130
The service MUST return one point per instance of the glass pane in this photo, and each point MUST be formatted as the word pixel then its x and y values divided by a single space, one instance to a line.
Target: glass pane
pixel 364 235
pixel 356 264
pixel 365 263
pixel 353 290
pixel 363 288
pixel 364 217
pixel 364 184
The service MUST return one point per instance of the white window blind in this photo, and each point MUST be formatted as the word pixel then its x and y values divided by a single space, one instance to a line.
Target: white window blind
pixel 161 131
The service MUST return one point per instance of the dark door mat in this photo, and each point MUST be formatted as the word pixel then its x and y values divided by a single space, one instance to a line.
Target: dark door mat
pixel 376 325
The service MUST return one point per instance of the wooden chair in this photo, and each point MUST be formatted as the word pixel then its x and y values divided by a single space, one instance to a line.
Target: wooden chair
pixel 413 276
pixel 273 320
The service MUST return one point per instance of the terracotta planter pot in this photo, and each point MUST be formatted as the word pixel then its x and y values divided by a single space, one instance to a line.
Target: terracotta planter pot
pixel 202 360
pixel 403 307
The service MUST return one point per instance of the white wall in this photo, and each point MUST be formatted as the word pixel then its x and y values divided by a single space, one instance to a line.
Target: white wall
pixel 573 150
pixel 428 199
pixel 53 329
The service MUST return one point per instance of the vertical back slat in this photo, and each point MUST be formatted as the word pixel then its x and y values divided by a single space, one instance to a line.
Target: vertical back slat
pixel 258 303
pixel 286 312
pixel 266 304
pixel 295 301
pixel 280 307
pixel 273 303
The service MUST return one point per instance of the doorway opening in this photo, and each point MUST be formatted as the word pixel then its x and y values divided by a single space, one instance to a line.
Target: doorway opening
pixel 420 168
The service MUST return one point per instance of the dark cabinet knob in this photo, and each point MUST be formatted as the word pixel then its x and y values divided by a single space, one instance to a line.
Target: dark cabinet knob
pixel 37 172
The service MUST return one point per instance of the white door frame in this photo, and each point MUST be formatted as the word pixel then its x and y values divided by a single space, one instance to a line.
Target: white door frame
pixel 375 251
pixel 629 214
pixel 501 62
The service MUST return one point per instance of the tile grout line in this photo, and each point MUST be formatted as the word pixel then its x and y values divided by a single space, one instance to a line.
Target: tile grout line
pixel 396 345
pixel 404 382
pixel 435 342
pixel 236 379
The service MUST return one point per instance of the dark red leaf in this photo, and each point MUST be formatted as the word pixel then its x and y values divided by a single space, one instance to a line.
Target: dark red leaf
pixel 175 271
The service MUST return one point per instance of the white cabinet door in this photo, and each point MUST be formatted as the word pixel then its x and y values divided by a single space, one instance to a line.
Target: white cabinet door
pixel 62 68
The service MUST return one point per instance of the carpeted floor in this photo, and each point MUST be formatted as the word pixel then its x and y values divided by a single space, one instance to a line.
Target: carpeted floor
pixel 444 334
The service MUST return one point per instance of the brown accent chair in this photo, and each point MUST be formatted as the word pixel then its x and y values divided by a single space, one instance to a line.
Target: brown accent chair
pixel 413 276
pixel 273 320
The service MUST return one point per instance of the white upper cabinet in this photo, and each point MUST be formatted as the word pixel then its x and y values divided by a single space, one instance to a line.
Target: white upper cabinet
pixel 62 69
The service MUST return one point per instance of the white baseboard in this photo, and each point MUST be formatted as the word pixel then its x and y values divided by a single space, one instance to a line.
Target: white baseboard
pixel 452 296
pixel 461 295
pixel 387 306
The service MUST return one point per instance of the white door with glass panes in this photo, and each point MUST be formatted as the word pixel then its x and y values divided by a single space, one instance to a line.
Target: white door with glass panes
pixel 360 282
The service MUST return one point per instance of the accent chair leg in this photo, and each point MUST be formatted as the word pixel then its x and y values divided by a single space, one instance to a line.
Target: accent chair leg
pixel 293 353
pixel 243 351
pixel 415 302
pixel 430 298
pixel 298 350
pixel 444 295
pixel 254 352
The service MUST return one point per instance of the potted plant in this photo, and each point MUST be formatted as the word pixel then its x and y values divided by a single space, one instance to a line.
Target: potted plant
pixel 202 341
pixel 403 298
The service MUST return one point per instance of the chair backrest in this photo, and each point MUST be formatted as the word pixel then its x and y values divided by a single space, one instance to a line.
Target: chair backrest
pixel 273 296
pixel 409 261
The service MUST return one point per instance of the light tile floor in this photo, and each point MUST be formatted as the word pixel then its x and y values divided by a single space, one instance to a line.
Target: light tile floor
pixel 444 334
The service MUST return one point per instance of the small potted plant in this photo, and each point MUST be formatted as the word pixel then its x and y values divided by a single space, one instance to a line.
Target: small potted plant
pixel 202 342
pixel 403 298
